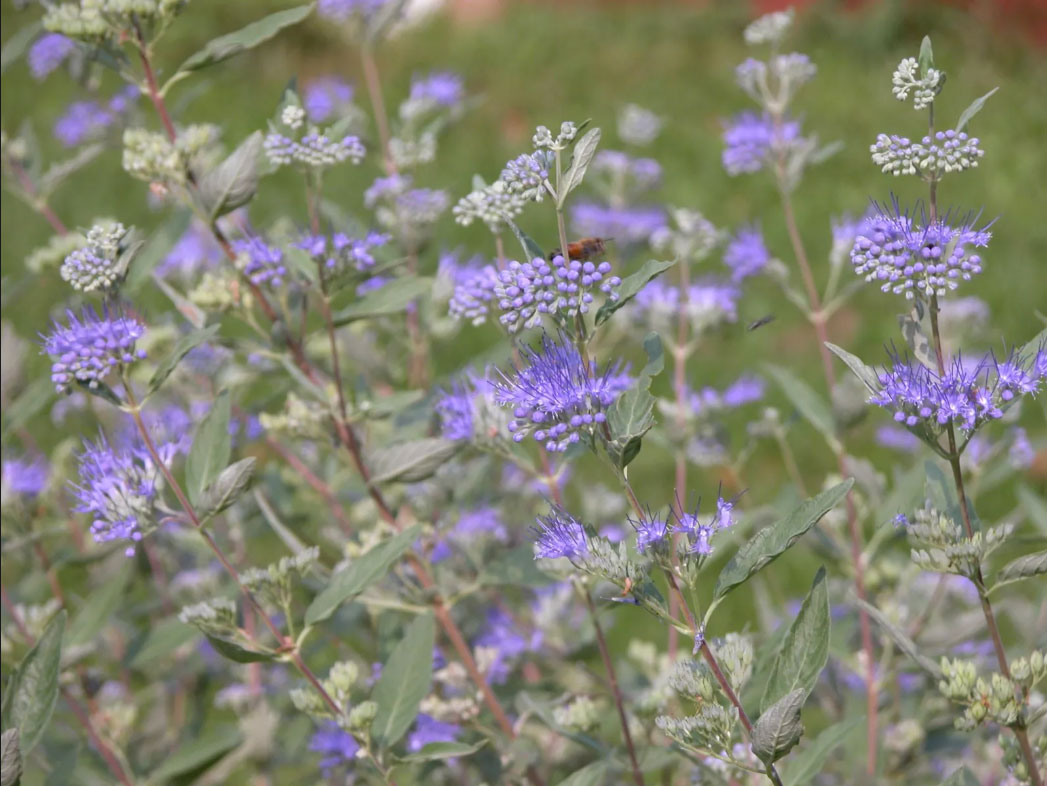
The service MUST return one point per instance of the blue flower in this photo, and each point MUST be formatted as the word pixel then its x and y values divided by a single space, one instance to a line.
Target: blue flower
pixel 326 97
pixel 751 139
pixel 91 347
pixel 555 397
pixel 262 263
pixel 474 284
pixel 746 254
pixel 49 52
pixel 559 534
pixel 343 10
pixel 338 747
pixel 627 225
pixel 650 532
pixel 341 253
pixel 195 251
pixel 24 478
pixel 428 730
pixel 699 532
pixel 897 438
pixel 444 88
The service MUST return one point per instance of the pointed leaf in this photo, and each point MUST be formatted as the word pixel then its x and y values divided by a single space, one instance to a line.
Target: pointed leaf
pixel 359 575
pixel 975 107
pixel 1024 567
pixel 390 299
pixel 631 285
pixel 98 609
pixel 231 484
pixel 770 542
pixel 185 345
pixel 916 329
pixel 584 150
pixel 411 461
pixel 779 728
pixel 530 248
pixel 962 777
pixel 866 374
pixel 807 402
pixel 32 690
pixel 926 58
pixel 247 37
pixel 237 653
pixel 212 445
pixel 436 751
pixel 902 640
pixel 10 759
pixel 196 753
pixel 629 418
pixel 405 681
pixel 805 650
pixel 804 765
pixel 232 183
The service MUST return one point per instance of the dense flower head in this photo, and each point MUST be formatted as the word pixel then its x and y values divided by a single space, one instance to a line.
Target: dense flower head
pixel 325 98
pixel 443 88
pixel 908 78
pixel 559 534
pixel 555 397
pixel 313 149
pixel 25 478
pixel 913 256
pixel 948 151
pixel 473 283
pixel 261 263
pixel 750 140
pixel 339 253
pixel 467 409
pixel 91 346
pixel 625 225
pixel 699 530
pixel 966 396
pixel 746 253
pixel 48 52
pixel 337 746
pixel 526 175
pixel 559 288
pixel 637 125
pixel 492 204
pixel 744 390
pixel 651 531
pixel 94 265
pixel 118 487
pixel 639 174
pixel 397 204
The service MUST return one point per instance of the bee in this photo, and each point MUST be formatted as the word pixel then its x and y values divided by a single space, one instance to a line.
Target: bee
pixel 586 248
pixel 759 323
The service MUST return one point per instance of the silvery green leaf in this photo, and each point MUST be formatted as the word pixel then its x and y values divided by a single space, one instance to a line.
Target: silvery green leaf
pixel 228 487
pixel 584 150
pixel 437 751
pixel 804 765
pixel 247 37
pixel 530 247
pixel 197 753
pixel 132 247
pixel 102 391
pixel 631 285
pixel 962 777
pixel 779 728
pixel 361 573
pixel 15 46
pixel 405 681
pixel 916 329
pixel 185 345
pixel 10 758
pixel 32 690
pixel 301 261
pixel 232 183
pixel 807 402
pixel 592 774
pixel 57 173
pixel 1024 567
pixel 652 345
pixel 412 461
pixel 903 642
pixel 975 107
pixel 805 650
pixel 772 541
pixel 97 610
pixel 160 640
pixel 392 298
pixel 212 445
pixel 629 418
pixel 236 652
pixel 926 58
pixel 866 374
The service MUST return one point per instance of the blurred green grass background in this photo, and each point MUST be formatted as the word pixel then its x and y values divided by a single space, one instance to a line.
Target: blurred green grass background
pixel 544 63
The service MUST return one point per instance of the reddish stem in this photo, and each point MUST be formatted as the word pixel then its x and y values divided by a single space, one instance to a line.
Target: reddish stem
pixel 41 206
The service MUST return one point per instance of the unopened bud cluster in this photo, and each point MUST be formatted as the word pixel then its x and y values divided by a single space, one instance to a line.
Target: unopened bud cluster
pixel 94 265
pixel 941 545
pixel 151 156
pixel 214 617
pixel 994 700
pixel 312 149
pixel 275 582
pixel 923 87
pixel 96 20
pixel 948 151
pixel 580 714
pixel 543 137
pixel 709 729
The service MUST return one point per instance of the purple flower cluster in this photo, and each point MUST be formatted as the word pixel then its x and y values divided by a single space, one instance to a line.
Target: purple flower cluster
pixel 344 10
pixel 118 487
pixel 526 174
pixel 400 205
pixel 502 636
pixel 746 253
pixel 559 534
pixel 428 730
pixel 897 438
pixel 455 408
pixel 709 301
pixel 443 88
pixel 699 533
pixel 913 257
pixel 949 151
pixel 751 139
pixel 474 283
pixel 966 396
pixel 24 478
pixel 638 174
pixel 525 291
pixel 555 397
pixel 262 263
pixel 49 52
pixel 87 120
pixel 744 390
pixel 626 225
pixel 337 746
pixel 650 532
pixel 89 348
pixel 340 253
pixel 325 98
pixel 314 149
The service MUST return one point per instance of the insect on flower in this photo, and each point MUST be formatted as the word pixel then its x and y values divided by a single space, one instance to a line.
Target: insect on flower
pixel 586 248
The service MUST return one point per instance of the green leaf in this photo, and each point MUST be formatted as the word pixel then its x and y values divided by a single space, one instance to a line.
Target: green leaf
pixel 1034 506
pixel 926 58
pixel 157 246
pixel 975 107
pixel 10 759
pixel 98 608
pixel 779 728
pixel 212 445
pixel 247 37
pixel 902 640
pixel 197 753
pixel 58 172
pixel 807 402
pixel 1024 567
pixel 592 774
pixel 631 285
pixel 866 374
pixel 301 261
pixel 629 418
pixel 34 398
pixel 435 751
pixel 15 46
pixel 390 299
pixel 237 653
pixel 804 765
pixel 359 575
pixel 160 640
pixel 412 461
pixel 231 483
pixel 530 248
pixel 916 329
pixel 962 777
pixel 652 345
pixel 32 690
pixel 185 345
pixel 232 183
pixel 771 542
pixel 805 650
pixel 405 681
pixel 584 150
pixel 515 567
